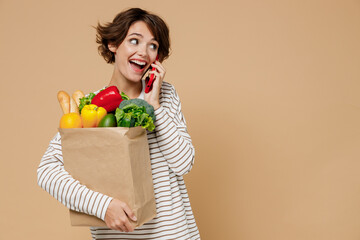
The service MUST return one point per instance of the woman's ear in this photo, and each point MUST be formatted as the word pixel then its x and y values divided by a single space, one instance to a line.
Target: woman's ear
pixel 112 47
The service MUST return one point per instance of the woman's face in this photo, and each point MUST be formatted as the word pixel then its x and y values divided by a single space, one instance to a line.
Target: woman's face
pixel 135 54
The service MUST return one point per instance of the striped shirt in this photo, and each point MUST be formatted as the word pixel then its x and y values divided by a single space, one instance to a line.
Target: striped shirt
pixel 171 155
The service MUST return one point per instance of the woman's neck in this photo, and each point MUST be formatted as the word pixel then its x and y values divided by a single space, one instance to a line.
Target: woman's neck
pixel 131 89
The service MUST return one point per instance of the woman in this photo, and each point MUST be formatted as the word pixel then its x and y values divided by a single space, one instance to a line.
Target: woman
pixel 132 42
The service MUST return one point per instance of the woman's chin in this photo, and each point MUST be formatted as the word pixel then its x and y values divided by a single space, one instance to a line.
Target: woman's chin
pixel 134 79
pixel 134 76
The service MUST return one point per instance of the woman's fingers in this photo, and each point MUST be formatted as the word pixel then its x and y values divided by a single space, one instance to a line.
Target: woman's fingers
pixel 117 214
pixel 153 96
pixel 158 66
pixel 159 71
pixel 157 74
pixel 117 225
pixel 125 224
pixel 120 227
pixel 128 227
pixel 129 212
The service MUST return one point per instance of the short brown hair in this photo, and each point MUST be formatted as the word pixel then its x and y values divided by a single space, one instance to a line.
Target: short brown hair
pixel 115 32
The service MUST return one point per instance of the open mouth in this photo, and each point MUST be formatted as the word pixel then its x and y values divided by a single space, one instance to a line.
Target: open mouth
pixel 138 66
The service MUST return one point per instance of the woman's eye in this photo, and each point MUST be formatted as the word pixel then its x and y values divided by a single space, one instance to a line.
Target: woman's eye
pixel 153 46
pixel 133 41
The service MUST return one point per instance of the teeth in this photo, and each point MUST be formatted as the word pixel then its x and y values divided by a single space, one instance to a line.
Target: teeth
pixel 138 62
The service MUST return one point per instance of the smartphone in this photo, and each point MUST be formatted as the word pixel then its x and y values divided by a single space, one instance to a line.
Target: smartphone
pixel 149 85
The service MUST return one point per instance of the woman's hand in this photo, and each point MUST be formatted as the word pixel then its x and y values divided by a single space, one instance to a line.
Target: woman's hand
pixel 116 216
pixel 153 96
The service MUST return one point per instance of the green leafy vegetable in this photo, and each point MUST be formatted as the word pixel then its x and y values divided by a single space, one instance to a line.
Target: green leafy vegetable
pixel 124 96
pixel 85 101
pixel 140 103
pixel 133 115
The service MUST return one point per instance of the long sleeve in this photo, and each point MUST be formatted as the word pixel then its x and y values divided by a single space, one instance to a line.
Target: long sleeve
pixel 54 179
pixel 171 132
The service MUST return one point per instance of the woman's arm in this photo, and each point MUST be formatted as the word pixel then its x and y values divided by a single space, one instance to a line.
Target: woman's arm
pixel 53 178
pixel 171 132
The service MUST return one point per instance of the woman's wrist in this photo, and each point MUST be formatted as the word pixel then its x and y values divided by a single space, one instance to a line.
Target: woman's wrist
pixel 155 105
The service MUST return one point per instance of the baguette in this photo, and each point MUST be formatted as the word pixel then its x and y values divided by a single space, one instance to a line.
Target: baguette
pixel 73 106
pixel 77 95
pixel 64 100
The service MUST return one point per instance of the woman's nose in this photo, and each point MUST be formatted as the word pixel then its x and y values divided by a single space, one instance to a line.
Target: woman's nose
pixel 142 50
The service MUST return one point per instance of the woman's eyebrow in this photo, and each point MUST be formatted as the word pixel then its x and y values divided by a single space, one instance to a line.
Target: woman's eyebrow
pixel 138 34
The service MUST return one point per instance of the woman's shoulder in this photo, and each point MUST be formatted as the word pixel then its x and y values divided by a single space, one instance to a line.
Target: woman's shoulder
pixel 167 89
pixel 169 97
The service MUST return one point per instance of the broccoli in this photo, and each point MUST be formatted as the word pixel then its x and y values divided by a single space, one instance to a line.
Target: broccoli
pixel 140 103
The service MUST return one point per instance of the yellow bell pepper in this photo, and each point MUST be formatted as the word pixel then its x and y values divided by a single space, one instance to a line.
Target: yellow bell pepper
pixel 91 115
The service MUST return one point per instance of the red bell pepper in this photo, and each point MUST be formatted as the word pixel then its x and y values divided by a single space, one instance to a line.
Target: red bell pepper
pixel 109 98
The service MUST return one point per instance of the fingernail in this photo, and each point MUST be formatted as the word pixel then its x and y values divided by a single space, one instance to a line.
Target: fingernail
pixel 134 218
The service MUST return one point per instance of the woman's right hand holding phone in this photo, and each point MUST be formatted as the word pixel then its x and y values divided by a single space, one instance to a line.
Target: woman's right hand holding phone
pixel 116 216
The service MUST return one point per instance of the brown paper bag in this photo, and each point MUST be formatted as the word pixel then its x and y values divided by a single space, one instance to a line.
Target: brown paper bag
pixel 114 161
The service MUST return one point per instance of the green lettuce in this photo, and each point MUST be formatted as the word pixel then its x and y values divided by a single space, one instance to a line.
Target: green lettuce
pixel 133 115
pixel 85 101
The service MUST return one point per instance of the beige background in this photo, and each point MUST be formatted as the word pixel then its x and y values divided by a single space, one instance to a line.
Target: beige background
pixel 270 91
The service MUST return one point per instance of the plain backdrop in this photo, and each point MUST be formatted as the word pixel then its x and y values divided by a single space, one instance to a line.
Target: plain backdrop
pixel 269 89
